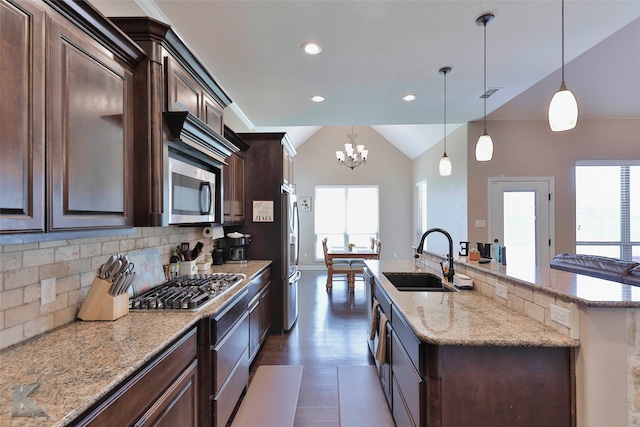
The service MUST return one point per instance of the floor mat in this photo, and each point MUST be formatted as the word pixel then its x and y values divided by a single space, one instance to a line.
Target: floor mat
pixel 271 398
pixel 362 402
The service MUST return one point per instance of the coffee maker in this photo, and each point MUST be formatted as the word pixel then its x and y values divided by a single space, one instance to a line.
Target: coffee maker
pixel 235 247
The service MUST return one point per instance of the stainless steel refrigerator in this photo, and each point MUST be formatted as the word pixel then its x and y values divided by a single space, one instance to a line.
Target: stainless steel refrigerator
pixel 290 254
pixel 274 237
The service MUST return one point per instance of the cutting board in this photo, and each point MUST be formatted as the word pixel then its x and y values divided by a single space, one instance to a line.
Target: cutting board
pixel 148 268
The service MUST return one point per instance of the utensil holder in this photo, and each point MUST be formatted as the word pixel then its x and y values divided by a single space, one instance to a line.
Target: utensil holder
pixel 99 305
pixel 188 267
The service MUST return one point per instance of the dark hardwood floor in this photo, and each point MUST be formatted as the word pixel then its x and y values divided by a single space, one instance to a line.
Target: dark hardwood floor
pixel 331 331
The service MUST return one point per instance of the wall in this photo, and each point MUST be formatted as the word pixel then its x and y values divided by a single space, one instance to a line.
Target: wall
pixel 529 148
pixel 315 164
pixel 446 195
pixel 74 263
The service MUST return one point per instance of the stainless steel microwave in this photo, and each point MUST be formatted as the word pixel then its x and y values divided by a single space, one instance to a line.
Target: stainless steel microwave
pixel 191 193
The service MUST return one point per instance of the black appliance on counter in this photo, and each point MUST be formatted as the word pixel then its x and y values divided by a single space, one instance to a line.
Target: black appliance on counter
pixel 275 231
pixel 233 249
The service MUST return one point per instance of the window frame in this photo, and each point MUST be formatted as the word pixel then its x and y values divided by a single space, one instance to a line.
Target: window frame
pixel 625 244
pixel 318 252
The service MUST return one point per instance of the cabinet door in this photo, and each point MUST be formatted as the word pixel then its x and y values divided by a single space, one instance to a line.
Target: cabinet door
pixel 212 114
pixel 90 133
pixel 178 406
pixel 265 312
pixel 255 323
pixel 183 92
pixel 233 204
pixel 22 112
pixel 287 169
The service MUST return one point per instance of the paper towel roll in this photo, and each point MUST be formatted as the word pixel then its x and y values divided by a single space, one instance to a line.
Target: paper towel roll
pixel 213 232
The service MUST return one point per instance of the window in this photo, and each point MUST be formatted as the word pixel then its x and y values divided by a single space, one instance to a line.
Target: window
pixel 608 209
pixel 345 214
pixel 421 210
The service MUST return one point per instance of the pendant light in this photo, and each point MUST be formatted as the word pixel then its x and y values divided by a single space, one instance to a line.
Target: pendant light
pixel 563 109
pixel 484 146
pixel 445 163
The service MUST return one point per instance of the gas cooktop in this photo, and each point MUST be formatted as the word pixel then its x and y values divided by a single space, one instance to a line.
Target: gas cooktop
pixel 186 293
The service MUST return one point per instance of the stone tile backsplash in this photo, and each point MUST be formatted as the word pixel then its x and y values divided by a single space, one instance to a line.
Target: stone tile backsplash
pixel 523 299
pixel 74 263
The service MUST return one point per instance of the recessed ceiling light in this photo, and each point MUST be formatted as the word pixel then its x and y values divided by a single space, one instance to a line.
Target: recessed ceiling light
pixel 312 48
pixel 409 97
pixel 317 98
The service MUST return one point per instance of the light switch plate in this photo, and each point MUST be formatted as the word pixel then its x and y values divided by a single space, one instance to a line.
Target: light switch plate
pixel 481 223
pixel 560 315
pixel 47 291
pixel 501 291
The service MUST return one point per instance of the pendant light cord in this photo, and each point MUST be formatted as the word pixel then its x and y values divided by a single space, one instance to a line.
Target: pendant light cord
pixel 563 41
pixel 445 112
pixel 484 95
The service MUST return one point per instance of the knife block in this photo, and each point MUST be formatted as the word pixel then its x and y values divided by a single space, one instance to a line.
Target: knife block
pixel 99 305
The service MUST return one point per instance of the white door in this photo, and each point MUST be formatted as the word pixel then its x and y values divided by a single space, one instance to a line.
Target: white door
pixel 521 218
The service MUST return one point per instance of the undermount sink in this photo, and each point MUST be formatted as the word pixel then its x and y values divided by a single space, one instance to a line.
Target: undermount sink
pixel 418 282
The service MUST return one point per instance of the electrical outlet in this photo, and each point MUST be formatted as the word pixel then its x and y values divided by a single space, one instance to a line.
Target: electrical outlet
pixel 560 315
pixel 306 254
pixel 47 291
pixel 395 254
pixel 501 291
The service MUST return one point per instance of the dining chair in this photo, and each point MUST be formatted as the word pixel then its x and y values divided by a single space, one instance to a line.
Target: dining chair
pixel 358 264
pixel 335 268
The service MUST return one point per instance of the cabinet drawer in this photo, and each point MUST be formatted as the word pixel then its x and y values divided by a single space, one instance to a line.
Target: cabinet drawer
pixel 226 400
pixel 258 282
pixel 382 298
pixel 407 379
pixel 400 412
pixel 227 353
pixel 407 338
pixel 224 321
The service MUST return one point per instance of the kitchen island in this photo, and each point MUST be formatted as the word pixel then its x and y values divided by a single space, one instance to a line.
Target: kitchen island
pixel 458 358
pixel 81 363
pixel 603 317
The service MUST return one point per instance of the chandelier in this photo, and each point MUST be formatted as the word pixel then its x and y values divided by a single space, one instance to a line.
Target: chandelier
pixel 353 155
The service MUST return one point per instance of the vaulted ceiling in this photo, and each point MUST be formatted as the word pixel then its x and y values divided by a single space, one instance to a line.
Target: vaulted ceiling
pixel 374 52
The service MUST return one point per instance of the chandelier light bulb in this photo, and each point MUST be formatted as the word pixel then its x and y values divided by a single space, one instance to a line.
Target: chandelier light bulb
pixel 353 155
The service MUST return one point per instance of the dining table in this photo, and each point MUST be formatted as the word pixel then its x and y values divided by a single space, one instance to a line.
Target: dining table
pixel 355 253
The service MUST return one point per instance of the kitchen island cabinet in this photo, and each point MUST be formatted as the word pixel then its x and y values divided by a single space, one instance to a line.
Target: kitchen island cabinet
pixel 461 359
pixel 77 95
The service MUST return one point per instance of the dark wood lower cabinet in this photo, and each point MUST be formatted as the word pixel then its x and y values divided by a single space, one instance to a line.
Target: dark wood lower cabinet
pixel 163 393
pixel 229 340
pixel 430 385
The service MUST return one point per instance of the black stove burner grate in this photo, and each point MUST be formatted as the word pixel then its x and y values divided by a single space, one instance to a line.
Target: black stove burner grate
pixel 186 293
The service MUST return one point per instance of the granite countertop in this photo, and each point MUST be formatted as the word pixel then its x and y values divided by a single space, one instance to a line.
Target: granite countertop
pixel 571 287
pixel 79 363
pixel 465 317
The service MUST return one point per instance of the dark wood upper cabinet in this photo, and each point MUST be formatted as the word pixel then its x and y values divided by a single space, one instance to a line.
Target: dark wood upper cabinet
pixel 67 81
pixel 90 133
pixel 171 79
pixel 233 200
pixel 22 112
pixel 233 178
